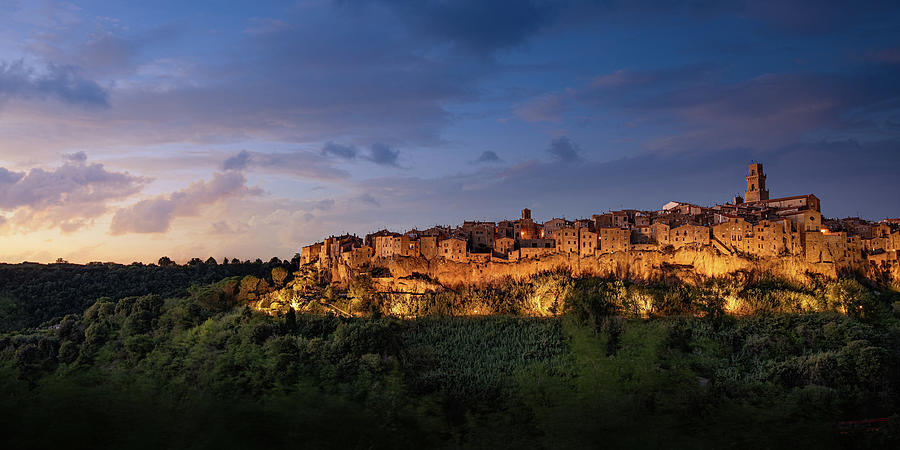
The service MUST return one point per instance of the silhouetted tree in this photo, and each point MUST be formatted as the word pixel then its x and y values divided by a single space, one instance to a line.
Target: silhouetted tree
pixel 165 261
pixel 290 321
pixel 211 261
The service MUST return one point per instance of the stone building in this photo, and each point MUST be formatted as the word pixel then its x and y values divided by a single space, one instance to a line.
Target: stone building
pixel 370 238
pixel 756 225
pixel 659 232
pixel 613 240
pixel 384 245
pixel 504 245
pixel 756 184
pixel 553 225
pixel 733 232
pixel 480 235
pixel 566 240
pixel 587 241
pixel 642 234
pixel 428 247
pixel 454 249
pixel 311 252
pixel 689 234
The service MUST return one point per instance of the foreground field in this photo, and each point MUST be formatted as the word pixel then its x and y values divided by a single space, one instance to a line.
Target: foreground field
pixel 148 372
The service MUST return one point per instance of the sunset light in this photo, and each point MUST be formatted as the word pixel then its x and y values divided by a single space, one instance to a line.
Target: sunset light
pixel 449 224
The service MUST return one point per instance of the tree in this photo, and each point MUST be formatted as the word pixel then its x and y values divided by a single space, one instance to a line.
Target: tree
pixel 165 262
pixel 195 262
pixel 290 321
pixel 852 298
pixel 211 261
pixel 362 293
pixel 278 275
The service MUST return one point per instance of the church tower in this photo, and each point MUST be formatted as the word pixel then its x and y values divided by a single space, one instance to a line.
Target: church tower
pixel 756 184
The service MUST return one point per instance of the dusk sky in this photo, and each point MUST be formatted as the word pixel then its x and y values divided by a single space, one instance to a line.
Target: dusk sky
pixel 133 130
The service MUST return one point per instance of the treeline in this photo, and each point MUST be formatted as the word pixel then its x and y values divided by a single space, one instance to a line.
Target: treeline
pixel 31 294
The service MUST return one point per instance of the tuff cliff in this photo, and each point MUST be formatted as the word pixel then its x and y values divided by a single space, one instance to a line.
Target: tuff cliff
pixel 688 264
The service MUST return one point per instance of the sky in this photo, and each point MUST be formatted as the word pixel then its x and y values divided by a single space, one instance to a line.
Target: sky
pixel 247 129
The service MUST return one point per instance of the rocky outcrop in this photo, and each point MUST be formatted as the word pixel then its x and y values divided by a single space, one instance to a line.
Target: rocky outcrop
pixel 688 264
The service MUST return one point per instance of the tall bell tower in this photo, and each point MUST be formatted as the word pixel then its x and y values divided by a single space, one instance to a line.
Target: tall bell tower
pixel 756 184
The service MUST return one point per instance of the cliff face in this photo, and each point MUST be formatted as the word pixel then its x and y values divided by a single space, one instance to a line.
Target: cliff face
pixel 689 264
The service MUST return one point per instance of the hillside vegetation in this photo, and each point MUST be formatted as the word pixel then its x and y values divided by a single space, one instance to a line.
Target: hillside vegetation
pixel 204 370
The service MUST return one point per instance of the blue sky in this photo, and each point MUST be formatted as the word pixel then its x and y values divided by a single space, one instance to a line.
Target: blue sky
pixel 247 129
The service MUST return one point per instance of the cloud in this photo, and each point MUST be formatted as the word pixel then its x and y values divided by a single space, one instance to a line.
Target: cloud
pixel 367 199
pixel 695 107
pixel 544 108
pixel 240 161
pixel 885 55
pixel 341 151
pixel 382 154
pixel 487 157
pixel 646 181
pixel 78 157
pixel 298 84
pixel 61 82
pixel 564 150
pixel 298 163
pixel 155 215
pixel 477 26
pixel 67 197
pixel 265 25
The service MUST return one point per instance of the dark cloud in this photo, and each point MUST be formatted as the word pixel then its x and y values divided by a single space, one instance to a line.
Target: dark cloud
pixel 367 199
pixel 155 215
pixel 708 111
pixel 885 55
pixel 78 157
pixel 475 25
pixel 341 151
pixel 564 150
pixel 486 157
pixel 67 197
pixel 814 16
pixel 238 161
pixel 61 82
pixel 797 17
pixel 322 205
pixel 8 177
pixel 383 154
pixel 299 163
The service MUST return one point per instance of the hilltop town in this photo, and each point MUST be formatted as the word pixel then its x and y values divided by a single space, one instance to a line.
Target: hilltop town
pixel 729 236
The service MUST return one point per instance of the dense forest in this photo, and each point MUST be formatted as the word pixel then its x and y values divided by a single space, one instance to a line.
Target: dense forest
pixel 189 365
pixel 32 293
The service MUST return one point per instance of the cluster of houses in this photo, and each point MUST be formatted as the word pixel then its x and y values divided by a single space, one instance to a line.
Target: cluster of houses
pixel 752 226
